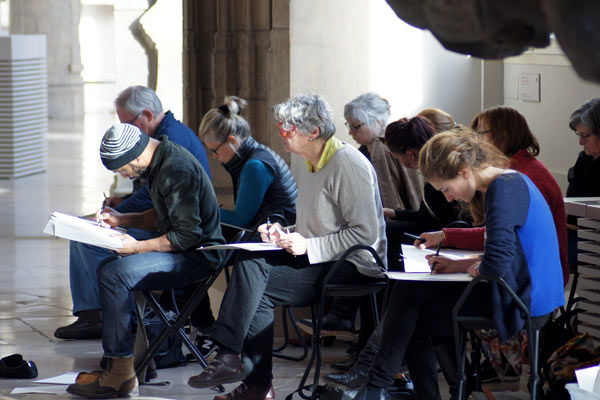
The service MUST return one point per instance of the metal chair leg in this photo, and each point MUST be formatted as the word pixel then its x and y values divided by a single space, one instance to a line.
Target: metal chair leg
pixel 288 312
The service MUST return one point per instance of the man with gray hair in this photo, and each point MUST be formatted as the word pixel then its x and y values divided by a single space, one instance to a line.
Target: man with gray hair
pixel 186 214
pixel 138 106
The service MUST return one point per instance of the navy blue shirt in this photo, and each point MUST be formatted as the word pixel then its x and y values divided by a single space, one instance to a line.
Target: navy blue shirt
pixel 522 248
pixel 176 132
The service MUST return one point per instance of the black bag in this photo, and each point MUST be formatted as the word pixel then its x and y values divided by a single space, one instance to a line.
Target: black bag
pixel 169 355
pixel 555 334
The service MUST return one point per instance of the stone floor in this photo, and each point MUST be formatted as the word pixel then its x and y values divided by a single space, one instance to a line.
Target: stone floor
pixel 34 291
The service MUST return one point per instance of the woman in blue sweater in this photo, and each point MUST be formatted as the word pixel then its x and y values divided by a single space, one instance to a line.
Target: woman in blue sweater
pixel 521 247
pixel 263 184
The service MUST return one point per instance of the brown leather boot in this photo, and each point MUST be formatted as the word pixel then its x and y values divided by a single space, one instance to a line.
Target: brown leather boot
pixel 118 381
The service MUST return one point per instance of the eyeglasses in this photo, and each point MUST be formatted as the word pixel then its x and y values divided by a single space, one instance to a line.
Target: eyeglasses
pixel 286 130
pixel 354 128
pixel 583 136
pixel 134 118
pixel 215 151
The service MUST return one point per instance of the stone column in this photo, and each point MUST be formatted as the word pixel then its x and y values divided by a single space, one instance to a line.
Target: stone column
pixel 240 48
pixel 59 21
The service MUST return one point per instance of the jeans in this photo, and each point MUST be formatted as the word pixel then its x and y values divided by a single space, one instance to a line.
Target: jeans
pixel 259 282
pixel 84 260
pixel 119 276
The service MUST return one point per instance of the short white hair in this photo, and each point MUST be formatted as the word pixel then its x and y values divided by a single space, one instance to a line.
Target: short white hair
pixel 307 112
pixel 368 108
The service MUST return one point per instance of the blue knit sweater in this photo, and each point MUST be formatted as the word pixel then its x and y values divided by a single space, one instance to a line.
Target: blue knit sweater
pixel 522 248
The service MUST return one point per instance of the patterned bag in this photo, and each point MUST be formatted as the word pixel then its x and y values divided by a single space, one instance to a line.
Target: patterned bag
pixel 559 369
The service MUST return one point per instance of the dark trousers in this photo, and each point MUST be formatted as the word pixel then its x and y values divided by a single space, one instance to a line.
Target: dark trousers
pixel 259 282
pixel 418 311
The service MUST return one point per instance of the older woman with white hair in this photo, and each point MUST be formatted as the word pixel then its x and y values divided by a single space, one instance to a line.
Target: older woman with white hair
pixel 338 206
pixel 366 119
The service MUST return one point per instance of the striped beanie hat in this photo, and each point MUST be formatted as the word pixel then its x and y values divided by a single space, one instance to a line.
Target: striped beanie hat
pixel 121 144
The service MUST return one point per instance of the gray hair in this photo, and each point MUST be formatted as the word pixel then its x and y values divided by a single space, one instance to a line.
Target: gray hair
pixel 307 112
pixel 136 99
pixel 368 108
pixel 224 121
pixel 587 114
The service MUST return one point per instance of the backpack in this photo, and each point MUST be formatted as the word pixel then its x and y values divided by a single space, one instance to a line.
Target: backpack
pixel 562 351
pixel 169 354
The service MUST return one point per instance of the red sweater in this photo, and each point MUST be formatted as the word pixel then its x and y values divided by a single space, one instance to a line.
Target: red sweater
pixel 538 173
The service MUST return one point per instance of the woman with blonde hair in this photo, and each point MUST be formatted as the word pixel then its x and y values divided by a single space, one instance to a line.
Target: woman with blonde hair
pixel 263 184
pixel 521 247
pixel 440 119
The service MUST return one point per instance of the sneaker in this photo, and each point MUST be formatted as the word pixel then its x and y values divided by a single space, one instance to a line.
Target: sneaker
pixel 205 345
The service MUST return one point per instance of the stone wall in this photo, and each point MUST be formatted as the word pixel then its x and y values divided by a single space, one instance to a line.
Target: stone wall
pixel 237 48
pixel 59 21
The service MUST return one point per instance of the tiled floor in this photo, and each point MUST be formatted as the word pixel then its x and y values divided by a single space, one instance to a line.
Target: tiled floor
pixel 34 289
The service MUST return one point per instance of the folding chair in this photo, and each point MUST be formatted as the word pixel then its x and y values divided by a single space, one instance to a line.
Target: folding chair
pixel 337 290
pixel 176 326
pixel 463 324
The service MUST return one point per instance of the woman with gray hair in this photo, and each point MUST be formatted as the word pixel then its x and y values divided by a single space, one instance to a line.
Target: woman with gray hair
pixel 338 206
pixel 583 176
pixel 366 119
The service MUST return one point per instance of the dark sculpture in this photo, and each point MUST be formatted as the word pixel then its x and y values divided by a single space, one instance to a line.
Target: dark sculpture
pixel 503 28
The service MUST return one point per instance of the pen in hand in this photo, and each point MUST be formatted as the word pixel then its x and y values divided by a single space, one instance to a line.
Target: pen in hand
pixel 268 229
pixel 102 207
pixel 410 235
pixel 437 253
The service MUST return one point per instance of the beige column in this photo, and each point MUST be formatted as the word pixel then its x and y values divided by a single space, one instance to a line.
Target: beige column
pixel 241 48
pixel 59 21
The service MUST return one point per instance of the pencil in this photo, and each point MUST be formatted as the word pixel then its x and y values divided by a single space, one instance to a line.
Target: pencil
pixel 437 253
pixel 410 235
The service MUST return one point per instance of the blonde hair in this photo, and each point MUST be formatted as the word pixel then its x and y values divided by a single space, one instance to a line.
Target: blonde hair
pixel 444 155
pixel 440 119
pixel 224 121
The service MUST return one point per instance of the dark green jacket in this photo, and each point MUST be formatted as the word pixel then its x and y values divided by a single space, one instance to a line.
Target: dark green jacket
pixel 184 200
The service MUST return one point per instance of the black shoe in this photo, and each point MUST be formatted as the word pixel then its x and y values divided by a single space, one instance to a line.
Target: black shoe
pixel 14 366
pixel 347 364
pixel 354 378
pixel 372 393
pixel 224 368
pixel 88 326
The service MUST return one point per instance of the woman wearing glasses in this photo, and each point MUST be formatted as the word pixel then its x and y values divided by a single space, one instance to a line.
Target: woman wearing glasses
pixel 338 206
pixel 366 118
pixel 583 176
pixel 262 182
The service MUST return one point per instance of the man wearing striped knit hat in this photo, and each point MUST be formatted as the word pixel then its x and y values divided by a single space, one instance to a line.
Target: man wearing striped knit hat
pixel 186 214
